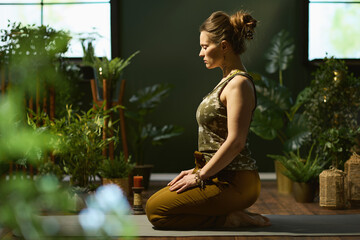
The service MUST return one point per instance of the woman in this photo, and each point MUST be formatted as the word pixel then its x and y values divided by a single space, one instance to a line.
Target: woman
pixel 225 180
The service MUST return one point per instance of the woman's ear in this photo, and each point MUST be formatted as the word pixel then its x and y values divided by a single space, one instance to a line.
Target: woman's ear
pixel 225 46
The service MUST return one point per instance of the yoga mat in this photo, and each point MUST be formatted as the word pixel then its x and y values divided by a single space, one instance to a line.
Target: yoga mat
pixel 282 225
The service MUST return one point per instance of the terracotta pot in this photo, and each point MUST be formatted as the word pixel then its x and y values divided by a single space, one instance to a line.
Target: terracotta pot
pixel 123 183
pixel 284 184
pixel 304 192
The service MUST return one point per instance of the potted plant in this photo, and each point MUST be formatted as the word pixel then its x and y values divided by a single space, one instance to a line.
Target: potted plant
pixel 110 71
pixel 78 146
pixel 303 173
pixel 50 168
pixel 142 132
pixel 277 116
pixel 331 110
pixel 117 172
pixel 107 87
pixel 31 57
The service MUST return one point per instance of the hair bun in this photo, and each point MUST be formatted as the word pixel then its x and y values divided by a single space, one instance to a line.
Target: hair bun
pixel 244 24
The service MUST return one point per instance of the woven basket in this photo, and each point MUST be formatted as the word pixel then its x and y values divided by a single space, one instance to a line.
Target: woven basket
pixel 123 183
pixel 332 194
pixel 352 179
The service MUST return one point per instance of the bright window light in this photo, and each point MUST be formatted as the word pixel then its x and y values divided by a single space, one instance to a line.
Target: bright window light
pixel 82 18
pixel 334 29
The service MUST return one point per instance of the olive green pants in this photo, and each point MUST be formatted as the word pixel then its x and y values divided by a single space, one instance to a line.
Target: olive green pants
pixel 203 208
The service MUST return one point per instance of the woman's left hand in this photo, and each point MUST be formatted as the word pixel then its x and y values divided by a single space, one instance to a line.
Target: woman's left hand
pixel 184 183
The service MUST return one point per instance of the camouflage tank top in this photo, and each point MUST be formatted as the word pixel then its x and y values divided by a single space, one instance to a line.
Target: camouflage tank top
pixel 211 116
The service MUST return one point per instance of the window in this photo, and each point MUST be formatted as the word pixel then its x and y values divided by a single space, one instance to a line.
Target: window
pixel 83 18
pixel 334 29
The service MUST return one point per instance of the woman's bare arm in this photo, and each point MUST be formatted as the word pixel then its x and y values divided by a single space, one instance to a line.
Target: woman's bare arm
pixel 238 97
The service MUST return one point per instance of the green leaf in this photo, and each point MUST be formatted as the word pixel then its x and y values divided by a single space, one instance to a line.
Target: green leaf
pixel 111 70
pixel 297 133
pixel 150 97
pixel 299 169
pixel 266 124
pixel 280 53
pixel 273 96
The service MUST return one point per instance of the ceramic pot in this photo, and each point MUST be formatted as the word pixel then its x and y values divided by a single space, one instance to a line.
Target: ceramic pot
pixel 284 184
pixel 304 192
pixel 123 183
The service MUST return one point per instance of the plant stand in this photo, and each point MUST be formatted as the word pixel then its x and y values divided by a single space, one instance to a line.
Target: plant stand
pixel 107 96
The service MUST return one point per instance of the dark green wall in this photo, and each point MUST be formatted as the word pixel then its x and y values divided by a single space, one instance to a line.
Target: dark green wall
pixel 166 33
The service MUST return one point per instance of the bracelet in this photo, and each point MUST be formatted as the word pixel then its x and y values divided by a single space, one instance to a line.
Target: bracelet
pixel 198 180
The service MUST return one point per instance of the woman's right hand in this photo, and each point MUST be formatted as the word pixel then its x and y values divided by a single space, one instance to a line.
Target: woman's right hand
pixel 180 176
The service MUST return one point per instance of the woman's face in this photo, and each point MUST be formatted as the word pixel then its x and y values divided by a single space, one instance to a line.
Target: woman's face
pixel 210 52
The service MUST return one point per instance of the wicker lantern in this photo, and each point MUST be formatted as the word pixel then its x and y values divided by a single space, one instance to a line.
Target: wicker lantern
pixel 352 180
pixel 332 188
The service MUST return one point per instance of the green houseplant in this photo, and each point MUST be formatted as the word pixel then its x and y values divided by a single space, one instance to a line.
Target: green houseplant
pixel 111 70
pixel 32 55
pixel 78 146
pixel 303 172
pixel 142 132
pixel 277 114
pixel 331 110
pixel 117 171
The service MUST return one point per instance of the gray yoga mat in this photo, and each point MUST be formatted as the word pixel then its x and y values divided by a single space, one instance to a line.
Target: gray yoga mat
pixel 282 225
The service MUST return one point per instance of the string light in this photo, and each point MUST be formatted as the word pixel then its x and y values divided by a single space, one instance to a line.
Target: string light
pixel 336 75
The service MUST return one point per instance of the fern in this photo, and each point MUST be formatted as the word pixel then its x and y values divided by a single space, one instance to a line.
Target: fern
pixel 299 169
pixel 111 70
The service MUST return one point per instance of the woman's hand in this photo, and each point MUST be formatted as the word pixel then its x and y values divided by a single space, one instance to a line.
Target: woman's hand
pixel 185 182
pixel 179 178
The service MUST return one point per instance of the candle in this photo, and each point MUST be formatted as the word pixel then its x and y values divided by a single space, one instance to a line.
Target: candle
pixel 137 181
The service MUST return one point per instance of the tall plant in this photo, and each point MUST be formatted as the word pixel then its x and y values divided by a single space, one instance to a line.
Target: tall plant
pixel 143 133
pixel 32 54
pixel 332 109
pixel 280 54
pixel 276 115
pixel 78 148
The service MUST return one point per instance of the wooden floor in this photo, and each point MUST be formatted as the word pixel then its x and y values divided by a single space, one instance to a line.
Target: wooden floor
pixel 269 202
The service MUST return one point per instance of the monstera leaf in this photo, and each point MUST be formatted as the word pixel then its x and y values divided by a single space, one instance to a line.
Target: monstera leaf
pixel 158 135
pixel 147 99
pixel 281 52
pixel 273 96
pixel 273 102
pixel 266 124
pixel 297 133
